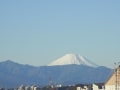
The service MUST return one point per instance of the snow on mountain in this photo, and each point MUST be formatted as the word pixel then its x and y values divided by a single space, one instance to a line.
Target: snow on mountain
pixel 72 59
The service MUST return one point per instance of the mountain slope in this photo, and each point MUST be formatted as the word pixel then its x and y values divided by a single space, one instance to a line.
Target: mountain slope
pixel 72 59
pixel 13 74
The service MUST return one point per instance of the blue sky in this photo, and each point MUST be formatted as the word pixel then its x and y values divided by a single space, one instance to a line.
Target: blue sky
pixel 37 32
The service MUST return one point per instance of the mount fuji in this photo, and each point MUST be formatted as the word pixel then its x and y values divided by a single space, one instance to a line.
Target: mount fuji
pixel 76 59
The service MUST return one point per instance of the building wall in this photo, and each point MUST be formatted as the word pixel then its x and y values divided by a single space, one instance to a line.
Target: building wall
pixel 112 80
pixel 110 87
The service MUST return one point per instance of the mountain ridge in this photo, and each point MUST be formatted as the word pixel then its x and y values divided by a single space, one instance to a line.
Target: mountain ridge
pixel 14 74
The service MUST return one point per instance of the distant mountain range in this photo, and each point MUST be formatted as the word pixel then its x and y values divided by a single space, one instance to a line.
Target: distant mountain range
pixel 13 74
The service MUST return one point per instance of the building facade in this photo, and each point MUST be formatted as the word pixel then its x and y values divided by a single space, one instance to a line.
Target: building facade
pixel 113 83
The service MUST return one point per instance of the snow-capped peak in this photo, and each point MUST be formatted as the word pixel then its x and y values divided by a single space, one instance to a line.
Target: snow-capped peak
pixel 72 59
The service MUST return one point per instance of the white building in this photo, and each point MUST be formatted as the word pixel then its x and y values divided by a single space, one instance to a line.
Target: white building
pixel 98 86
pixel 27 88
